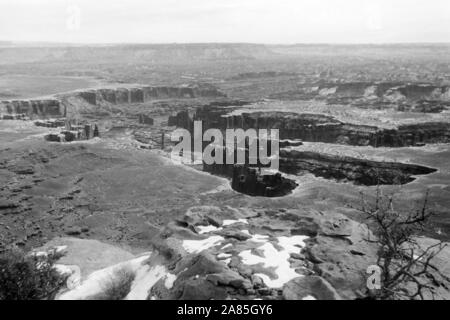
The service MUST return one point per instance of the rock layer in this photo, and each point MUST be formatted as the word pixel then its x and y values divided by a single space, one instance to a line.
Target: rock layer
pixel 416 97
pixel 143 94
pixel 318 128
pixel 49 108
pixel 359 171
pixel 229 253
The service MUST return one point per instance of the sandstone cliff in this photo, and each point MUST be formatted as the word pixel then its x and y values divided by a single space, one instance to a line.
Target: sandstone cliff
pixel 318 127
pixel 48 108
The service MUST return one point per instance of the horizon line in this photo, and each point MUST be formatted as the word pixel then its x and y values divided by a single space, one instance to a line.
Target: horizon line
pixel 62 43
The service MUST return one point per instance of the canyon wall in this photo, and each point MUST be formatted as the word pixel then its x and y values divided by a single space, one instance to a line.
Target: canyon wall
pixel 358 171
pixel 318 128
pixel 143 94
pixel 51 108
pixel 60 105
pixel 249 180
pixel 385 90
pixel 416 97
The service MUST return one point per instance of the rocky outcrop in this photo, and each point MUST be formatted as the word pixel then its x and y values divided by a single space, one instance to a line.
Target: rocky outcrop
pixel 244 253
pixel 146 93
pixel 49 108
pixel 211 112
pixel 53 123
pixel 358 171
pixel 251 181
pixel 20 116
pixel 62 105
pixel 290 143
pixel 74 133
pixel 318 128
pixel 416 97
pixel 322 128
pixel 296 289
pixel 182 120
pixel 145 119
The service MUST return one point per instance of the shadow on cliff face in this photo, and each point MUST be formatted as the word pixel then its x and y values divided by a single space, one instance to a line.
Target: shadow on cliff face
pixel 251 181
pixel 358 171
pixel 317 128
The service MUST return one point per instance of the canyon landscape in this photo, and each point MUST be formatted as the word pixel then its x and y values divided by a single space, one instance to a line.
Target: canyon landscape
pixel 86 167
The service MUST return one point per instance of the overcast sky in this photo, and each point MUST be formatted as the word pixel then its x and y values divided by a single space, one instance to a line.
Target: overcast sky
pixel 257 21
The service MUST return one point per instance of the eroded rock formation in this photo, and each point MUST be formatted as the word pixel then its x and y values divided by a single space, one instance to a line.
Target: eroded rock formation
pixel 145 119
pixel 49 108
pixel 318 128
pixel 54 123
pixel 252 180
pixel 416 97
pixel 76 132
pixel 246 253
pixel 315 128
pixel 226 253
pixel 358 171
pixel 143 94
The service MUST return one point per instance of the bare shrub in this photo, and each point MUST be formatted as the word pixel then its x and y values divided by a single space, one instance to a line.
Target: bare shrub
pixel 119 286
pixel 407 271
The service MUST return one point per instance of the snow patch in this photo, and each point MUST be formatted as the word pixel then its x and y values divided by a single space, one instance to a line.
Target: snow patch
pixel 207 229
pixel 223 255
pixel 145 279
pixel 272 258
pixel 170 279
pixel 197 246
pixel 93 285
pixel 256 237
pixel 231 222
pixel 226 246
pixel 74 273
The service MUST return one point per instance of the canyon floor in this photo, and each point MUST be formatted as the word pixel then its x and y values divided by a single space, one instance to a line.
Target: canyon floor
pixel 119 199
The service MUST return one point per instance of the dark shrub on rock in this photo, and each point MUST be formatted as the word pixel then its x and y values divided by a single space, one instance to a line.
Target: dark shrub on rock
pixel 29 277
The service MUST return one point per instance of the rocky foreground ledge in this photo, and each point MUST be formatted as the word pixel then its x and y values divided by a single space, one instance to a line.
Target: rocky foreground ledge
pixel 229 253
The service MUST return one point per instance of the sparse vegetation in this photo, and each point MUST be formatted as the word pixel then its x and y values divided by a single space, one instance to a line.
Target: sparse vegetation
pixel 28 276
pixel 118 287
pixel 407 271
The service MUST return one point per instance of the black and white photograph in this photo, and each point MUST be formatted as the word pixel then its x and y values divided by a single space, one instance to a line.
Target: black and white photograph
pixel 241 151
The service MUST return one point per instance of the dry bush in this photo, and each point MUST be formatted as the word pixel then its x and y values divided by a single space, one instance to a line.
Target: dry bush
pixel 119 286
pixel 407 271
pixel 29 277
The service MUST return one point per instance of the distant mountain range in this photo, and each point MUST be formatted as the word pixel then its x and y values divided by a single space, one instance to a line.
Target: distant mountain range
pixel 186 53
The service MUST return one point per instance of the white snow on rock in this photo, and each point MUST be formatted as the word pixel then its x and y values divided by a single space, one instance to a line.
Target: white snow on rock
pixel 207 229
pixel 292 244
pixel 60 249
pixel 146 277
pixel 226 246
pixel 197 246
pixel 309 298
pixel 74 273
pixel 223 255
pixel 272 258
pixel 170 279
pixel 94 283
pixel 230 222
pixel 256 237
pixel 57 249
